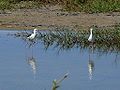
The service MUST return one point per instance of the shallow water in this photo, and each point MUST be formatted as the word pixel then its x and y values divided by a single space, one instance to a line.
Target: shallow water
pixel 34 68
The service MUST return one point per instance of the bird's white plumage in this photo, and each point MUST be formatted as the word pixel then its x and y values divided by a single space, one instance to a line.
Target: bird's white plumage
pixel 33 35
pixel 90 37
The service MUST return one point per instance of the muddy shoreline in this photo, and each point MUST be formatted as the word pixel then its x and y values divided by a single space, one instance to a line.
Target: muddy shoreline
pixel 46 17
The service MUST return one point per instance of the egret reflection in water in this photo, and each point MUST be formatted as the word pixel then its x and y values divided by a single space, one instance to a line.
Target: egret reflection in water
pixel 91 64
pixel 90 67
pixel 32 63
pixel 31 60
pixel 29 45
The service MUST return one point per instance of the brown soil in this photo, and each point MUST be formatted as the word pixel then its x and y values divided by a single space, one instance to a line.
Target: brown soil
pixel 53 16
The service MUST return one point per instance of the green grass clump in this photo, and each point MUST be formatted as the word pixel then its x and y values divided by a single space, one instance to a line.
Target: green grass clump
pixel 18 4
pixel 94 5
pixel 4 5
pixel 105 6
pixel 70 5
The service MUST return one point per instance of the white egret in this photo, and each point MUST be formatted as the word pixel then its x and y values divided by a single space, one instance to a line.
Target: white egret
pixel 33 35
pixel 90 37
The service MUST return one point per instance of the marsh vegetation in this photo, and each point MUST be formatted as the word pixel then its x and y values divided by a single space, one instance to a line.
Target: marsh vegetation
pixel 74 5
pixel 104 40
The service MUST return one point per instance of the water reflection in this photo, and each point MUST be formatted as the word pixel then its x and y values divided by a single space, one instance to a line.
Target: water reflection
pixel 31 60
pixel 32 63
pixel 105 41
pixel 90 68
pixel 29 45
pixel 50 67
pixel 117 60
pixel 90 62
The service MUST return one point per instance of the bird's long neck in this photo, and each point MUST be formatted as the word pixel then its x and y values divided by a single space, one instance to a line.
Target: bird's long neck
pixel 34 32
pixel 90 32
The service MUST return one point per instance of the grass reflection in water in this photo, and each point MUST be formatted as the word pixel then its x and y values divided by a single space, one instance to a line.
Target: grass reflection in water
pixel 104 40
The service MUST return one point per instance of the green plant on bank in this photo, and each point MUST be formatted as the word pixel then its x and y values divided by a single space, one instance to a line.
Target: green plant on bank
pixel 105 5
pixel 4 5
pixel 70 5
pixel 15 4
